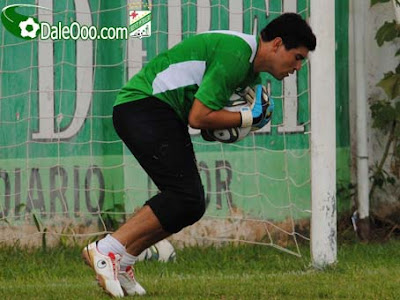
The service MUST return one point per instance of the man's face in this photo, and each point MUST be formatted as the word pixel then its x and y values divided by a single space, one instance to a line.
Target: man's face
pixel 285 62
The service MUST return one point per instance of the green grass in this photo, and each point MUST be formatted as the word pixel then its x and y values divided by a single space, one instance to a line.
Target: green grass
pixel 364 271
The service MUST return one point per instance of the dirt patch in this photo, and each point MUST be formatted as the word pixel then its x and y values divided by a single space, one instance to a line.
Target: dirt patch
pixel 58 231
pixel 212 231
pixel 384 224
pixel 385 220
pixel 208 231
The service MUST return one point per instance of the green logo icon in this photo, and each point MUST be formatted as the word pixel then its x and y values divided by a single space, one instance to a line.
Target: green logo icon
pixel 25 27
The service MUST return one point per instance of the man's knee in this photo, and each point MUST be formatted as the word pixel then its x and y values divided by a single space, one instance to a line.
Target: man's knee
pixel 178 210
pixel 194 209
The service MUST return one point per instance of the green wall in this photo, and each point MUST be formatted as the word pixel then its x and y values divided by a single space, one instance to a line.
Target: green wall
pixel 265 176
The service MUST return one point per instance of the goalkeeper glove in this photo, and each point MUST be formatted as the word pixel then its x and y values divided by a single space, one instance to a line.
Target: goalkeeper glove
pixel 205 134
pixel 261 108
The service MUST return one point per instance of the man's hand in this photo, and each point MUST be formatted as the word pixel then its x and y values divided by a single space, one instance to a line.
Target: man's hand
pixel 261 108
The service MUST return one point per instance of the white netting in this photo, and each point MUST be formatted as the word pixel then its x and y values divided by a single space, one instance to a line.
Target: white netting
pixel 64 173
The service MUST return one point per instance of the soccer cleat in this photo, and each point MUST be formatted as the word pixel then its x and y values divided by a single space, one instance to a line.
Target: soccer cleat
pixel 129 283
pixel 106 268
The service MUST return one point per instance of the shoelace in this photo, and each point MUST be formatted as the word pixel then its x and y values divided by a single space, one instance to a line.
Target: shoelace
pixel 130 273
pixel 115 266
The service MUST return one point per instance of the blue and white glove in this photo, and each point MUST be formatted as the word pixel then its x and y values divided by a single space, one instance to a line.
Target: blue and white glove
pixel 261 108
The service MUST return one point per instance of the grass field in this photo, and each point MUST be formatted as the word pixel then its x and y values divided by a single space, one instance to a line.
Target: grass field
pixel 364 271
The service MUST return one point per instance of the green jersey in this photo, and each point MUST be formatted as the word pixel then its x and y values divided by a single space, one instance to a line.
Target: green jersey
pixel 209 66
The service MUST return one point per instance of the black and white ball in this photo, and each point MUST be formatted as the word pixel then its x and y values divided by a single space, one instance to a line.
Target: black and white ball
pixel 235 134
pixel 162 251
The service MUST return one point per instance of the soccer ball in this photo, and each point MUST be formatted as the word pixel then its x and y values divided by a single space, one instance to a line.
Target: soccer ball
pixel 235 134
pixel 162 251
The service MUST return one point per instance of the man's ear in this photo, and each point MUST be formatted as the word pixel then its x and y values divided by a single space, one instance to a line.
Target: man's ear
pixel 276 43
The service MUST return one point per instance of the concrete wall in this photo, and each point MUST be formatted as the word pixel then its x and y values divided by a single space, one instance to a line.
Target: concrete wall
pixel 378 61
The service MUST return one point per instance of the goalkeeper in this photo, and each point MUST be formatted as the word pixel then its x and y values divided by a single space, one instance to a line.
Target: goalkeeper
pixel 188 84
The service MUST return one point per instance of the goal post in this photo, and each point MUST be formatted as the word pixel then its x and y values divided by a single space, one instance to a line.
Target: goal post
pixel 323 135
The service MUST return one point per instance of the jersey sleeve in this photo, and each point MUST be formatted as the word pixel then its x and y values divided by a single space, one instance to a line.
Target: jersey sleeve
pixel 220 80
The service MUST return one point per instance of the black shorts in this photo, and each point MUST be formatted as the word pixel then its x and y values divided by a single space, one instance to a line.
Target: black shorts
pixel 161 143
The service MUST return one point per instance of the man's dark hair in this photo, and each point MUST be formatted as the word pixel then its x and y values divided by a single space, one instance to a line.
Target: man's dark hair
pixel 292 29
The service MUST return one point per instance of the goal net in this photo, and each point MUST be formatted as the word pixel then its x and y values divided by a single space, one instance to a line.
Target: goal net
pixel 65 175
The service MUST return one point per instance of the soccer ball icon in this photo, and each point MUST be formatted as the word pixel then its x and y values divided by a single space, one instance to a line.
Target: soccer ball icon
pixel 29 28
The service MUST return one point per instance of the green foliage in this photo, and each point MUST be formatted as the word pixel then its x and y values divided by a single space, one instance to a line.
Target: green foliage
pixel 381 178
pixel 373 2
pixel 391 84
pixel 113 217
pixel 39 226
pixel 345 191
pixel 386 112
pixel 388 32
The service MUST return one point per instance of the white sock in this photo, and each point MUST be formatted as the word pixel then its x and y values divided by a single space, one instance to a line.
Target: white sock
pixel 127 260
pixel 110 244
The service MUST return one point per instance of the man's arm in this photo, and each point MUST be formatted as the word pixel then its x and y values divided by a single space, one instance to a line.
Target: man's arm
pixel 202 117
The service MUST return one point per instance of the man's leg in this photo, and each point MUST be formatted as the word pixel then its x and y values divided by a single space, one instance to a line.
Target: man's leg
pixel 160 142
pixel 138 233
pixel 141 231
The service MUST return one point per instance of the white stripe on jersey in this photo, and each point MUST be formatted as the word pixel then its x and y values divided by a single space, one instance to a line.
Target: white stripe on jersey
pixel 179 75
